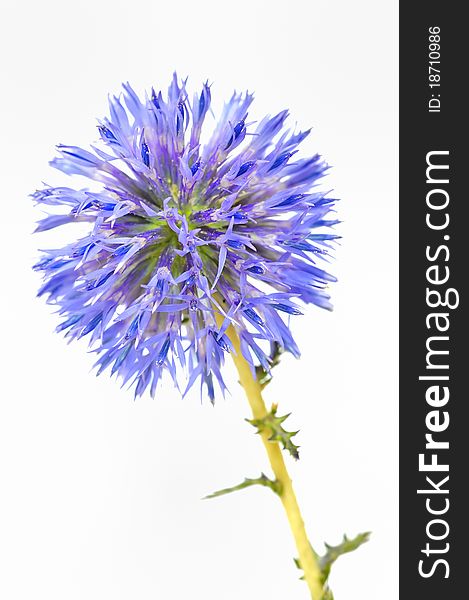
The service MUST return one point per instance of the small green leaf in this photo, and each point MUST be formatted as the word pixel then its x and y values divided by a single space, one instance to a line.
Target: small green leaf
pixel 278 434
pixel 264 377
pixel 333 552
pixel 274 485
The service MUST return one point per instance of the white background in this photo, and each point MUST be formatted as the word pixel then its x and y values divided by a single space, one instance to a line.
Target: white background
pixel 101 495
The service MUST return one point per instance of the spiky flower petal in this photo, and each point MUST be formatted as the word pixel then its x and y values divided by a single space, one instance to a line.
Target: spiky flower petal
pixel 180 231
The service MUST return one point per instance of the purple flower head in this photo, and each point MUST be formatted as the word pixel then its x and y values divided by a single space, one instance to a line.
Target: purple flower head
pixel 180 231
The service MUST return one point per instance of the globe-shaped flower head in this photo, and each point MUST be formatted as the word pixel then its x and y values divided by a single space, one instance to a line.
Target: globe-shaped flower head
pixel 184 235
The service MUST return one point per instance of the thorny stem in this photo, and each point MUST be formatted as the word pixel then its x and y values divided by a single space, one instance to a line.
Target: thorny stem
pixel 307 558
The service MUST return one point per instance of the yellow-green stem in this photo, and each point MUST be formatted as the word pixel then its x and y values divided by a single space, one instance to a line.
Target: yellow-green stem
pixel 308 561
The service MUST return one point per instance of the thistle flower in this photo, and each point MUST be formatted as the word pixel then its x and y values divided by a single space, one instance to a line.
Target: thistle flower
pixel 195 250
pixel 181 232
